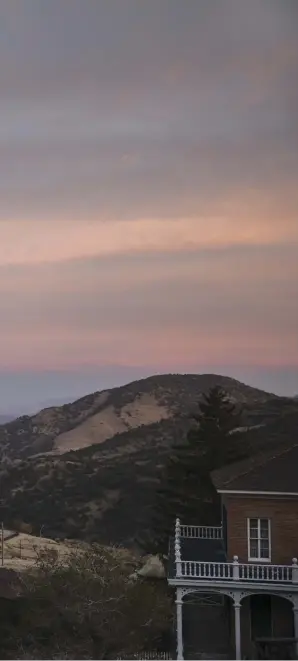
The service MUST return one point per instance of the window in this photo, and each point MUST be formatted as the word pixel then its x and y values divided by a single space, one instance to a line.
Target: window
pixel 259 539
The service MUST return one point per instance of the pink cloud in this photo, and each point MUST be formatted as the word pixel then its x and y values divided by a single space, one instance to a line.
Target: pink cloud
pixel 68 347
pixel 34 242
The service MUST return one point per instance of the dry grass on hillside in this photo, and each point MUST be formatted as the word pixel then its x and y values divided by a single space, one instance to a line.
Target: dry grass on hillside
pixel 22 551
pixel 144 410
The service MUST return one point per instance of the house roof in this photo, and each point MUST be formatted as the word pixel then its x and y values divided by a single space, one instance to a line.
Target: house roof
pixel 274 471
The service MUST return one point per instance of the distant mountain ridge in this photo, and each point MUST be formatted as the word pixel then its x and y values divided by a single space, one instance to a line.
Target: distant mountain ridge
pixel 90 469
pixel 96 417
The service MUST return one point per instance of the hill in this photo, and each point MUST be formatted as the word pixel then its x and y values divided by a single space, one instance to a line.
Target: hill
pixel 99 416
pixel 105 489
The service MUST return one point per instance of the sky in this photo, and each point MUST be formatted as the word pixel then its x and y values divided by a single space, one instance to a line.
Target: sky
pixel 149 197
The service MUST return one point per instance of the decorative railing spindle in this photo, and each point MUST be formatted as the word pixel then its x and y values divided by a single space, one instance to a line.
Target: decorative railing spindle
pixel 294 570
pixel 178 548
pixel 235 568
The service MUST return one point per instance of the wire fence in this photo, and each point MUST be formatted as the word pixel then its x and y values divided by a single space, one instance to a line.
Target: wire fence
pixel 15 546
pixel 21 550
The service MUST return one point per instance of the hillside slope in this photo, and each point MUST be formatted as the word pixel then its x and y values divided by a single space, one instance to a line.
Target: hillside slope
pixel 105 491
pixel 99 416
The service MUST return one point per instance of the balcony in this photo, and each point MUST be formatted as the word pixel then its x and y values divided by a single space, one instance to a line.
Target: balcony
pixel 201 532
pixel 197 553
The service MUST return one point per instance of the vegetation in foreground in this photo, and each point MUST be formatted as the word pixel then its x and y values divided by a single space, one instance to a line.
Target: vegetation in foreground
pixel 86 607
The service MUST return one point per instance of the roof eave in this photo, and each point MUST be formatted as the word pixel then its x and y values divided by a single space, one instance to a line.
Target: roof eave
pixel 255 492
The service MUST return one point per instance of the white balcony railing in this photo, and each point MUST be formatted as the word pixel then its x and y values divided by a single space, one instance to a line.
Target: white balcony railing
pixel 201 532
pixel 227 571
pixel 234 571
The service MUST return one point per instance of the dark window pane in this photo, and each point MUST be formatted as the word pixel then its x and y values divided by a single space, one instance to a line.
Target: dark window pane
pixel 264 534
pixel 264 549
pixel 254 548
pixel 254 533
pixel 264 524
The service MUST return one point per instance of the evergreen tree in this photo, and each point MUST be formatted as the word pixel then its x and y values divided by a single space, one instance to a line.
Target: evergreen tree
pixel 186 489
pixel 212 437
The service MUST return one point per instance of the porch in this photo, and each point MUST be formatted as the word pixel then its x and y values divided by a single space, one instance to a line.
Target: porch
pixel 198 565
pixel 266 627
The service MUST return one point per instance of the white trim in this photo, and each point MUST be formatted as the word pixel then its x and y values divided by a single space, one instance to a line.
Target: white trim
pixel 295 615
pixel 249 587
pixel 179 624
pixel 259 493
pixel 237 620
pixel 258 519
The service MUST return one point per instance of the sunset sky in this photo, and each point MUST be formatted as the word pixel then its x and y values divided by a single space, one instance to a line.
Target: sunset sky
pixel 149 193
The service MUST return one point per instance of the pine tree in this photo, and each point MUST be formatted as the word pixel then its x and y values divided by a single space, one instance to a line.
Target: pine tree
pixel 186 489
pixel 212 436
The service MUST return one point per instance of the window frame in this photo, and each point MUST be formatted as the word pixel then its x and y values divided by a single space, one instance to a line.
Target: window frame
pixel 249 539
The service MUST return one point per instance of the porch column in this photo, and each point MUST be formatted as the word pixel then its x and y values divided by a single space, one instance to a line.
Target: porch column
pixel 179 624
pixel 237 606
pixel 295 614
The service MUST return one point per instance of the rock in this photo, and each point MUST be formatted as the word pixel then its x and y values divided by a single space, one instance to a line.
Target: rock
pixel 133 577
pixel 153 568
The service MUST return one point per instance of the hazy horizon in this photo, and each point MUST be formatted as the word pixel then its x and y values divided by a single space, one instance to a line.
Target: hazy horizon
pixel 37 391
pixel 149 168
